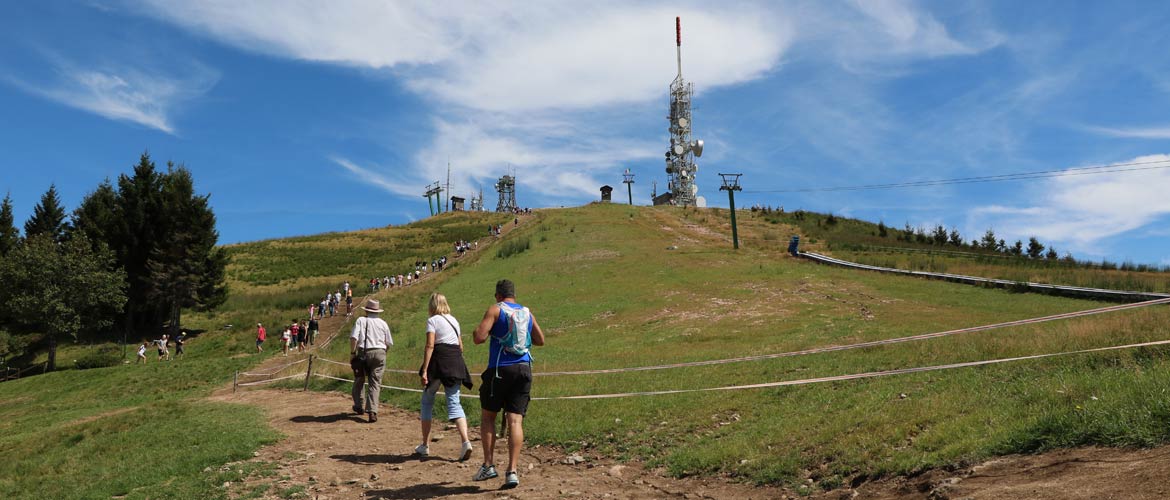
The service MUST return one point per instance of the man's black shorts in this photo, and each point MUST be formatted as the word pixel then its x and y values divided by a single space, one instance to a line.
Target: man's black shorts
pixel 507 387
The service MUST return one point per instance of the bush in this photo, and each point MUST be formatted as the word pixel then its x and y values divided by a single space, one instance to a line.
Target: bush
pixel 107 355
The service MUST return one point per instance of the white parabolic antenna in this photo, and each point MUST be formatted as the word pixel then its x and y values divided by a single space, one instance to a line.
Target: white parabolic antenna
pixel 700 202
pixel 694 189
pixel 678 149
pixel 682 122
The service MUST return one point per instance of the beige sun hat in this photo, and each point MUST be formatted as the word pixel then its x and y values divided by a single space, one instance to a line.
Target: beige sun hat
pixel 373 306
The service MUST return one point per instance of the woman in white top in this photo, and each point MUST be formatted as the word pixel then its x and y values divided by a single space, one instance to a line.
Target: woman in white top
pixel 443 365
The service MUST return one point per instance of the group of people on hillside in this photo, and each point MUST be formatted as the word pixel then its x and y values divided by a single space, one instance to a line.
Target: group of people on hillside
pixel 163 346
pixel 299 335
pixel 505 385
pixel 331 304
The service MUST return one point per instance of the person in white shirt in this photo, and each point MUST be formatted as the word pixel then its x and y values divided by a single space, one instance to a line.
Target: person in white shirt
pixel 367 345
pixel 443 365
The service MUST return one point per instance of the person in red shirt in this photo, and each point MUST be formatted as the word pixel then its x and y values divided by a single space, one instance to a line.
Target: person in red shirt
pixel 260 336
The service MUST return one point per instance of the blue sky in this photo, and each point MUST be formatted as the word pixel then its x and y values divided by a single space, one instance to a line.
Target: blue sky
pixel 302 117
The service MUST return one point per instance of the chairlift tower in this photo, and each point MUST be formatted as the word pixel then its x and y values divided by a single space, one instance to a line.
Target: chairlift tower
pixel 506 187
pixel 629 181
pixel 680 157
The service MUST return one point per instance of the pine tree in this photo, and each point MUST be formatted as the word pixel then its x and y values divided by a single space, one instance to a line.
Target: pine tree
pixel 9 235
pixel 97 216
pixel 989 242
pixel 48 217
pixel 1035 249
pixel 956 238
pixel 186 269
pixel 1017 248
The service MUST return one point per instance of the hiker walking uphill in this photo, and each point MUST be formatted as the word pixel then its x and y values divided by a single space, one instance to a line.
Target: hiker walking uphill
pixel 443 365
pixel 507 382
pixel 367 347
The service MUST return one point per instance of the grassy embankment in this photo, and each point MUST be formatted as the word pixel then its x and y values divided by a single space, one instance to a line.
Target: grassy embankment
pixel 148 431
pixel 610 293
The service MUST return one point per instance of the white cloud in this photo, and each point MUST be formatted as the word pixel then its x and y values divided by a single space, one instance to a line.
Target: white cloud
pixel 1081 211
pixel 122 94
pixel 503 55
pixel 1134 132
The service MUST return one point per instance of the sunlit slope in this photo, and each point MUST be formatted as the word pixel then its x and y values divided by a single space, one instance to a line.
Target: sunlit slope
pixel 617 286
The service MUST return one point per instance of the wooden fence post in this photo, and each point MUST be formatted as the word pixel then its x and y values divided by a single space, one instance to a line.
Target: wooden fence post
pixel 308 373
pixel 235 381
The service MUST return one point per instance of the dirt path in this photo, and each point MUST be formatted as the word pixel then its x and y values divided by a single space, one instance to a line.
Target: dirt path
pixel 333 454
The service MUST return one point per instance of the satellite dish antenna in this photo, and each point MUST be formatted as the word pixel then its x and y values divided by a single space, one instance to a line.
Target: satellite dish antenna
pixel 683 173
pixel 682 122
pixel 678 149
pixel 701 202
pixel 697 147
pixel 694 189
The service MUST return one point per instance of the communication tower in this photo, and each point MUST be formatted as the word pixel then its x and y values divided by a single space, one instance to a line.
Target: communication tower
pixel 506 186
pixel 680 157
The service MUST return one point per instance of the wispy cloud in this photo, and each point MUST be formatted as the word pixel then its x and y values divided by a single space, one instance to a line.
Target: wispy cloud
pixel 1081 212
pixel 1133 132
pixel 121 93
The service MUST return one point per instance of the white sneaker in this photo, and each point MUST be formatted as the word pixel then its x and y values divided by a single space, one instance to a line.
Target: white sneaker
pixel 422 450
pixel 466 453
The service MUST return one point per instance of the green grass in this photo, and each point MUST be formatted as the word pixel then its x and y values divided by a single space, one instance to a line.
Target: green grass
pixel 618 286
pixel 148 431
pixel 609 294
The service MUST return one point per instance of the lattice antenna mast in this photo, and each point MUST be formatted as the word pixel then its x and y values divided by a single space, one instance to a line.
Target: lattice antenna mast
pixel 680 157
pixel 506 187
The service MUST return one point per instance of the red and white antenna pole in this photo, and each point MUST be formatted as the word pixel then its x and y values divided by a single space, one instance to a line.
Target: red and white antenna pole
pixel 678 42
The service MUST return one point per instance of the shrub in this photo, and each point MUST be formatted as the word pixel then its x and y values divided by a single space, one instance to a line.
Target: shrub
pixel 107 355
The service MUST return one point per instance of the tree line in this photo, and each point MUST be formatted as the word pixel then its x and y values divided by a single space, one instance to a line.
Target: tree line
pixel 131 257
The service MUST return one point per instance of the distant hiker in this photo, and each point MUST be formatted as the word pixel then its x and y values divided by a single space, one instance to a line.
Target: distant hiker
pixel 141 353
pixel 285 339
pixel 367 345
pixel 443 365
pixel 179 344
pixel 507 382
pixel 312 310
pixel 162 349
pixel 313 327
pixel 260 336
pixel 302 336
pixel 349 304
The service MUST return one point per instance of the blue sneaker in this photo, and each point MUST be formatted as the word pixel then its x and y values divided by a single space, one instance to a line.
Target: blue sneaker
pixel 485 472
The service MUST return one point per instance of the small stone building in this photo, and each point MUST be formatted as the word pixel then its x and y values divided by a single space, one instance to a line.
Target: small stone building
pixel 606 194
pixel 457 203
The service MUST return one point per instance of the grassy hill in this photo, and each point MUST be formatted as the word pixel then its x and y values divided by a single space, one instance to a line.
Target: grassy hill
pixel 617 286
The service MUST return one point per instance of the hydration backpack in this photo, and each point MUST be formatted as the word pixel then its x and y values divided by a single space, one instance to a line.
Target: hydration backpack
pixel 517 340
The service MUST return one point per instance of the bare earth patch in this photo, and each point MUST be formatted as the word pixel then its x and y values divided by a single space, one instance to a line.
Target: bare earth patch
pixel 334 454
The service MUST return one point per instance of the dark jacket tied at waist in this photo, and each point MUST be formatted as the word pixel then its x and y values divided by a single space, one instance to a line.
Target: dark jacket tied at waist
pixel 447 366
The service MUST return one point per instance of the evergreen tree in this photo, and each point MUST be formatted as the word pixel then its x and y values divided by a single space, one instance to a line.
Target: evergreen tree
pixel 956 239
pixel 97 216
pixel 164 236
pixel 9 235
pixel 1017 248
pixel 1001 246
pixel 1052 255
pixel 882 231
pixel 1035 249
pixel 939 235
pixel 989 242
pixel 48 217
pixel 186 269
pixel 60 289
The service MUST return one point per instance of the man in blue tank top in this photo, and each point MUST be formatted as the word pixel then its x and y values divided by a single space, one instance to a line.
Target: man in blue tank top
pixel 507 382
